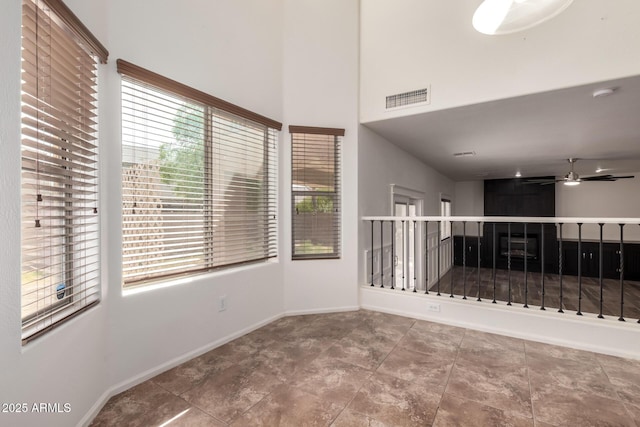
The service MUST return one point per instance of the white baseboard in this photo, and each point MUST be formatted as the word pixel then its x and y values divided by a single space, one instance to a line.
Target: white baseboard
pixel 322 310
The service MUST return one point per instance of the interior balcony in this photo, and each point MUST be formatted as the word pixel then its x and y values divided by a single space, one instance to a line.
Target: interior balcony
pixel 574 281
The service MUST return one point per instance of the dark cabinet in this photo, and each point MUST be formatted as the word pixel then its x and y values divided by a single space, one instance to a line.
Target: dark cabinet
pixel 588 258
pixel 632 261
pixel 465 249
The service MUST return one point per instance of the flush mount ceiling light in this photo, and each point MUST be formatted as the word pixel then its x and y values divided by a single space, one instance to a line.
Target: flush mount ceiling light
pixel 603 92
pixel 510 16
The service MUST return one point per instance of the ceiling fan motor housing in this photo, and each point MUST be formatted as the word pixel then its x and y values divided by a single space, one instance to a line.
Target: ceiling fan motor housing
pixel 572 176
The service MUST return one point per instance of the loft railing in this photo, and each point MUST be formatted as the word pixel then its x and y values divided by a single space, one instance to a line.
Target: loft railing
pixel 541 261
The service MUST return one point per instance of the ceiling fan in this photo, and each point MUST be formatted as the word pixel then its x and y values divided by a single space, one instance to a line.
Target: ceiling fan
pixel 572 178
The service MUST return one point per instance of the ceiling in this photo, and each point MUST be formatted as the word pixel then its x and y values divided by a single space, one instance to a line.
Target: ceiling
pixel 534 134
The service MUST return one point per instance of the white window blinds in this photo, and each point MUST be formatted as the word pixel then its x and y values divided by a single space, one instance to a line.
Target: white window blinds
pixel 316 202
pixel 198 184
pixel 60 248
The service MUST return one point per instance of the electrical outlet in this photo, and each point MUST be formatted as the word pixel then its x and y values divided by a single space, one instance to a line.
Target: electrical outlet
pixel 222 303
pixel 433 307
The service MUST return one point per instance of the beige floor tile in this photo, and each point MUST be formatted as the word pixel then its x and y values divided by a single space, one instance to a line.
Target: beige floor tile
pixel 396 402
pixel 429 370
pixel 505 388
pixel 149 404
pixel 349 418
pixel 455 412
pixel 563 406
pixel 233 391
pixel 289 407
pixel 332 380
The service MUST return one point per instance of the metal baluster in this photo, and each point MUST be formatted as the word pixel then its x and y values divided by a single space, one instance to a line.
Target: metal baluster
pixel 393 254
pixel 621 318
pixel 438 256
pixel 404 248
pixel 426 257
pixel 494 263
pixel 542 264
pixel 509 260
pixel 415 258
pixel 601 281
pixel 560 268
pixel 464 259
pixel 451 257
pixel 382 253
pixel 371 252
pixel 478 299
pixel 579 313
pixel 526 288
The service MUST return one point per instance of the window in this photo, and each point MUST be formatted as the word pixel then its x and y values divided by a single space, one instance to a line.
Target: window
pixel 445 210
pixel 60 248
pixel 315 192
pixel 198 183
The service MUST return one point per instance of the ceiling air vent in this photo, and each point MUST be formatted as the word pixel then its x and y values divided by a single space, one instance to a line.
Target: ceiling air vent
pixel 420 96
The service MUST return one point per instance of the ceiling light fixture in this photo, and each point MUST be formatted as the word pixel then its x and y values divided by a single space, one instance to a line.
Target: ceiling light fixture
pixel 510 16
pixel 572 183
pixel 518 174
pixel 602 92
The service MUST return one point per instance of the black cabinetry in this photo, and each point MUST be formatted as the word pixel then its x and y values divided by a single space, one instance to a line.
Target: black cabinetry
pixel 467 248
pixel 512 197
pixel 632 261
pixel 588 258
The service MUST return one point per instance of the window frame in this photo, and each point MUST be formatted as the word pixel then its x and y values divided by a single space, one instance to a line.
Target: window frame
pixel 217 113
pixel 335 195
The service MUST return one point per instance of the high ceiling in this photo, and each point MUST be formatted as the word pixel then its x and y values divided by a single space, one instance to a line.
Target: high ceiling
pixel 534 134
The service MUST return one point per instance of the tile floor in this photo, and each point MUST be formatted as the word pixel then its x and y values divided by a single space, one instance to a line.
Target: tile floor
pixel 367 368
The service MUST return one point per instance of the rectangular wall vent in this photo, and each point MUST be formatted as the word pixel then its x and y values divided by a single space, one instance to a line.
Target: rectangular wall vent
pixel 420 96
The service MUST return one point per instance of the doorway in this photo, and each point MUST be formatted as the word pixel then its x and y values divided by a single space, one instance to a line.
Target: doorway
pixel 406 266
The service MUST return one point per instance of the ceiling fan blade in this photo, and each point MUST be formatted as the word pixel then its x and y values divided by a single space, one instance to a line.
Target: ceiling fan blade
pixel 536 181
pixel 624 177
pixel 597 178
pixel 605 178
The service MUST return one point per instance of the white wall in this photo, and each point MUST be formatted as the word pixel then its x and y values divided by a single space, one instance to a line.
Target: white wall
pixel 320 82
pixel 618 199
pixel 411 44
pixel 468 200
pixel 380 164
